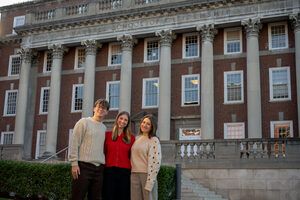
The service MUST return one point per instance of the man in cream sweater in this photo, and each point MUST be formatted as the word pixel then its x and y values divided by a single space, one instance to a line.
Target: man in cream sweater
pixel 86 154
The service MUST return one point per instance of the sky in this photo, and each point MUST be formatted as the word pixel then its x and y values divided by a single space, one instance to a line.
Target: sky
pixel 9 2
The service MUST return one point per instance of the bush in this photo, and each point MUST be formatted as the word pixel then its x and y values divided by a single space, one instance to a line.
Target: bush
pixel 53 181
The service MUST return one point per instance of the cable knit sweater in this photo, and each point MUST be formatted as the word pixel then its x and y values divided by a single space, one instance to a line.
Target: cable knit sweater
pixel 87 142
pixel 146 158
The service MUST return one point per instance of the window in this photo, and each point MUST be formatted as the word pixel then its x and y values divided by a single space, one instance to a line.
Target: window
pixel 278 36
pixel 7 137
pixel 280 84
pixel 151 50
pixel 79 58
pixel 44 100
pixel 150 92
pixel 14 65
pixel 18 21
pixel 40 147
pixel 190 46
pixel 77 98
pixel 232 41
pixel 233 87
pixel 115 54
pixel 234 130
pixel 47 62
pixel 282 129
pixel 116 4
pixel 10 102
pixel 190 87
pixel 113 94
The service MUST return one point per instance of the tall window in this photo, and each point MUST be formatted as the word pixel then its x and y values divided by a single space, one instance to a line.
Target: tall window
pixel 77 98
pixel 47 62
pixel 278 36
pixel 282 129
pixel 234 130
pixel 151 50
pixel 115 54
pixel 113 94
pixel 18 21
pixel 150 92
pixel 40 144
pixel 190 87
pixel 232 41
pixel 44 100
pixel 190 46
pixel 7 137
pixel 10 102
pixel 280 84
pixel 79 58
pixel 233 87
pixel 14 65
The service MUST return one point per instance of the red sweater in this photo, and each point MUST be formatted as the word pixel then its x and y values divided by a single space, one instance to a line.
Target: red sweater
pixel 117 153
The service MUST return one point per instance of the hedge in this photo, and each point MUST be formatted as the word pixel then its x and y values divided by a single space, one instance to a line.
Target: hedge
pixel 53 181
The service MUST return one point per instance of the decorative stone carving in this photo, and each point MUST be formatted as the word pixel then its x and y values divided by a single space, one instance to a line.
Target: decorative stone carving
pixel 91 46
pixel 58 50
pixel 252 26
pixel 27 54
pixel 295 18
pixel 207 32
pixel 166 37
pixel 127 41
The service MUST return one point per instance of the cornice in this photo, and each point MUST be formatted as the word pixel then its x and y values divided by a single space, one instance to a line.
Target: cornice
pixel 9 40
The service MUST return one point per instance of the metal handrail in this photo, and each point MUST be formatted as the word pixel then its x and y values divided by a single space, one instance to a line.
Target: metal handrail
pixel 55 154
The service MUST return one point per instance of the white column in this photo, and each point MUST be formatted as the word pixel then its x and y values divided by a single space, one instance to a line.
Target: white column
pixel 89 77
pixel 164 105
pixel 127 43
pixel 20 123
pixel 252 27
pixel 207 80
pixel 54 99
pixel 296 25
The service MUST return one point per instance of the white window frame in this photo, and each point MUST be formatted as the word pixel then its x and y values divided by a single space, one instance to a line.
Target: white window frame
pixel 7 133
pixel 225 86
pixel 144 93
pixel 110 54
pixel 270 35
pixel 271 84
pixel 225 40
pixel 15 22
pixel 184 44
pixel 183 89
pixel 42 98
pixel 233 123
pixel 272 123
pixel 108 83
pixel 46 62
pixel 76 66
pixel 146 49
pixel 5 102
pixel 37 146
pixel 73 98
pixel 10 65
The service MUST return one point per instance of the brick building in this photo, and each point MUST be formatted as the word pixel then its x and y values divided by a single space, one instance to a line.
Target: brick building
pixel 206 69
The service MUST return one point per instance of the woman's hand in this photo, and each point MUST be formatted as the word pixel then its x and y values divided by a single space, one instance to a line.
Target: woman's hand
pixel 75 172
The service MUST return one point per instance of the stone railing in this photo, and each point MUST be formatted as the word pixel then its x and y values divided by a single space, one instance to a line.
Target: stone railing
pixel 11 152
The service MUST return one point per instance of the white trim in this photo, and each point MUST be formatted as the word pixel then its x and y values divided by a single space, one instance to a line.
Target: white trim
pixel 271 83
pixel 270 35
pixel 184 43
pixel 45 63
pixel 37 145
pixel 15 21
pixel 73 98
pixel 110 53
pixel 235 123
pixel 225 40
pixel 108 83
pixel 192 137
pixel 5 102
pixel 10 65
pixel 272 123
pixel 76 59
pixel 144 90
pixel 145 49
pixel 183 89
pixel 41 99
pixel 7 133
pixel 241 72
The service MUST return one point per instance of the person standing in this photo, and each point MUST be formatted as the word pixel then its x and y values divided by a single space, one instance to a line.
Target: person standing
pixel 145 161
pixel 86 154
pixel 118 143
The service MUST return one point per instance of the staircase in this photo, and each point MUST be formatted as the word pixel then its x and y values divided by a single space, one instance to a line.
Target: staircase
pixel 191 190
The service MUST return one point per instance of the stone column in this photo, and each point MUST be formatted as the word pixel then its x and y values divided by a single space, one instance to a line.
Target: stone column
pixel 208 33
pixel 20 123
pixel 89 77
pixel 252 27
pixel 296 25
pixel 127 43
pixel 54 99
pixel 164 105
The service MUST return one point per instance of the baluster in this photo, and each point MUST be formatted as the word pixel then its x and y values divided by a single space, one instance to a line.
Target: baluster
pixel 185 151
pixel 211 150
pixel 250 150
pixel 192 150
pixel 205 153
pixel 178 148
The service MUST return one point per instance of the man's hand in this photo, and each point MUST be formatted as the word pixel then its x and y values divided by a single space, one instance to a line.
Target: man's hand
pixel 75 172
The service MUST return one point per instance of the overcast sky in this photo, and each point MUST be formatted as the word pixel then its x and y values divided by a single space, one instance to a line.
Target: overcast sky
pixel 9 2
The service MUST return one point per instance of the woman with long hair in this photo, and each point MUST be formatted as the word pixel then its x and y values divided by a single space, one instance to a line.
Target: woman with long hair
pixel 145 161
pixel 118 143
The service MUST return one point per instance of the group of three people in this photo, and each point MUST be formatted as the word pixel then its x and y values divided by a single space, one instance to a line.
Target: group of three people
pixel 114 164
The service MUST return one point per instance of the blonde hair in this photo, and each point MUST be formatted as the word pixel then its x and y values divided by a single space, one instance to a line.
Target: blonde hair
pixel 127 132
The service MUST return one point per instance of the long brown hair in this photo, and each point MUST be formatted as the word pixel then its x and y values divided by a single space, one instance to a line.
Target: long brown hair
pixel 152 132
pixel 127 132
